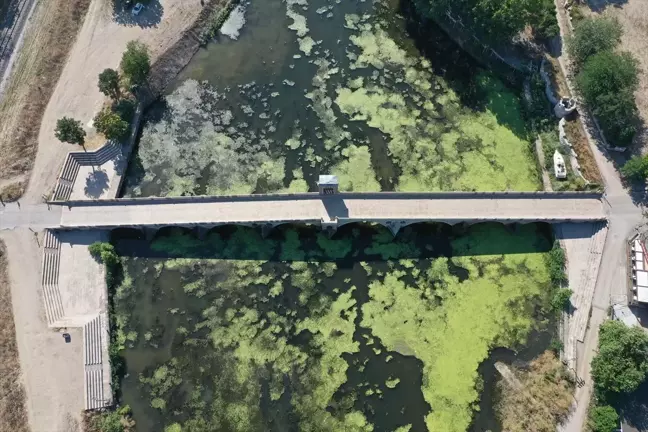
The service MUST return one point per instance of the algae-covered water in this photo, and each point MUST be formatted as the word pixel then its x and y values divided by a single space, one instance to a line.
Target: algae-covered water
pixel 300 332
pixel 314 87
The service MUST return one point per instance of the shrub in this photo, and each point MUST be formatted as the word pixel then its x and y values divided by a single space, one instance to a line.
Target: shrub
pixel 636 168
pixel 603 419
pixel 98 249
pixel 556 264
pixel 125 108
pixel 561 299
pixel 621 364
pixel 70 131
pixel 109 83
pixel 136 62
pixel 592 36
pixel 111 124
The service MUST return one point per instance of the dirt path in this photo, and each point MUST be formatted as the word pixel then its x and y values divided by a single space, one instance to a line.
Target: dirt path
pixel 100 45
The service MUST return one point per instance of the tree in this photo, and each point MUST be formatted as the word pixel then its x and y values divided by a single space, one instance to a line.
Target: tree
pixel 636 168
pixel 70 131
pixel 109 83
pixel 496 19
pixel 561 299
pixel 136 63
pixel 603 419
pixel 621 364
pixel 592 36
pixel 110 124
pixel 608 81
pixel 607 73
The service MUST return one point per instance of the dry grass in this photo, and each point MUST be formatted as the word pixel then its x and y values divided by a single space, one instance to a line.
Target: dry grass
pixel 13 415
pixel 576 136
pixel 557 78
pixel 52 34
pixel 12 192
pixel 544 400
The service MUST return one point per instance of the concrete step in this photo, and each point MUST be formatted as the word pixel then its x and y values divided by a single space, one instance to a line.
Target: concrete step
pixel 50 277
pixel 92 338
pixel 94 391
pixel 588 282
pixel 70 168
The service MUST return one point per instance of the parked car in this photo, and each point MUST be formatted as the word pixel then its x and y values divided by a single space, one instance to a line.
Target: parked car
pixel 137 9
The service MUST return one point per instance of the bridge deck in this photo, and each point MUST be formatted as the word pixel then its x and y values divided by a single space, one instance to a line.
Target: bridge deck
pixel 312 208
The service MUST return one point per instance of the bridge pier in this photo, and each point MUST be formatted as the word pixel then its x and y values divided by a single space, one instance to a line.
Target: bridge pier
pixel 329 227
pixel 266 229
pixel 149 233
pixel 201 232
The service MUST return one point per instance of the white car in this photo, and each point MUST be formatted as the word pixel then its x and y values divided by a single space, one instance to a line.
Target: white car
pixel 137 9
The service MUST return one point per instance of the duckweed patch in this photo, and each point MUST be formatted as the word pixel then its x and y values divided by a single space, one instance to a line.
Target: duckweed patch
pixel 302 332
pixel 347 96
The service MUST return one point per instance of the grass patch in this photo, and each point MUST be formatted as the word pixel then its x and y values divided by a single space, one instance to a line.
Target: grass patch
pixel 13 414
pixel 543 399
pixel 12 192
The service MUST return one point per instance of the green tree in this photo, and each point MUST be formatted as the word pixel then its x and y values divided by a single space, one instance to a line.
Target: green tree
pixel 607 73
pixel 70 131
pixel 603 419
pixel 561 299
pixel 592 36
pixel 607 82
pixel 110 124
pixel 636 168
pixel 109 83
pixel 621 364
pixel 498 20
pixel 136 63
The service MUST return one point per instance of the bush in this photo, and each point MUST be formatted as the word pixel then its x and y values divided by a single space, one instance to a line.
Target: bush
pixel 636 168
pixel 98 249
pixel 495 19
pixel 111 124
pixel 70 131
pixel 603 419
pixel 136 63
pixel 109 83
pixel 591 36
pixel 556 264
pixel 621 364
pixel 561 299
pixel 608 81
pixel 125 108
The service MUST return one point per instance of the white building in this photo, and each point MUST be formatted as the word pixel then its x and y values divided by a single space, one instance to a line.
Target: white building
pixel 639 272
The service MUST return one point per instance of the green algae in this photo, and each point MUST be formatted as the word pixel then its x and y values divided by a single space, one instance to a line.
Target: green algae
pixel 276 330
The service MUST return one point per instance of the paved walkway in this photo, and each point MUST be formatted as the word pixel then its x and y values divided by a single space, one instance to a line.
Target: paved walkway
pixel 399 208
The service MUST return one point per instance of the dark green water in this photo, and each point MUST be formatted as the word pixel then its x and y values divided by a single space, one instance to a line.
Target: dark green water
pixel 182 289
pixel 320 87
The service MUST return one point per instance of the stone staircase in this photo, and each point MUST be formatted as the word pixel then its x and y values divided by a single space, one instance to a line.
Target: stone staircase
pixel 75 160
pixel 96 338
pixel 95 344
pixel 588 280
pixel 51 294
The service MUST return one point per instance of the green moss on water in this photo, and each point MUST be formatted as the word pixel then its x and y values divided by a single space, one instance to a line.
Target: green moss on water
pixel 278 335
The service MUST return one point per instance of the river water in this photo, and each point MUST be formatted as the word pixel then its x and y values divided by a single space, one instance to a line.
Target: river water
pixel 357 89
pixel 325 86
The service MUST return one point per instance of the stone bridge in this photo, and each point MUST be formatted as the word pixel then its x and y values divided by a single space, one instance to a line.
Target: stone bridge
pixel 394 210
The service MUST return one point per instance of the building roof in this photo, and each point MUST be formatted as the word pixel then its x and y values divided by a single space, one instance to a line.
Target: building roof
pixel 642 294
pixel 328 180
